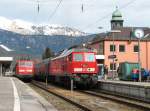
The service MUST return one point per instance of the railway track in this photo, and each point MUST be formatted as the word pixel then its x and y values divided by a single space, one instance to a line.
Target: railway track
pixel 121 99
pixel 54 92
pixel 85 100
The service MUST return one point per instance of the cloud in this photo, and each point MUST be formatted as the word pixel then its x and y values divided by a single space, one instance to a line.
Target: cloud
pixel 70 14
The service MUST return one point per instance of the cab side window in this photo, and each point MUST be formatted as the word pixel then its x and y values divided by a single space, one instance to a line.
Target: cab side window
pixel 70 57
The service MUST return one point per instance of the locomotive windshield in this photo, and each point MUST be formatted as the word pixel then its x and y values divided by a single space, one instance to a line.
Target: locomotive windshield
pixel 25 64
pixel 89 57
pixel 78 57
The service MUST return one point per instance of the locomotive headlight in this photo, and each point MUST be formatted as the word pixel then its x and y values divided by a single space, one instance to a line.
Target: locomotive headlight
pixel 29 70
pixel 77 69
pixel 21 70
pixel 91 69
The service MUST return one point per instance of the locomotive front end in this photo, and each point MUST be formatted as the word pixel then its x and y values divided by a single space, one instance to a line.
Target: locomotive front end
pixel 84 68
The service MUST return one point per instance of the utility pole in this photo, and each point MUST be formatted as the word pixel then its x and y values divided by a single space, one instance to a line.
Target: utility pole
pixel 0 69
pixel 72 84
pixel 113 34
pixel 139 33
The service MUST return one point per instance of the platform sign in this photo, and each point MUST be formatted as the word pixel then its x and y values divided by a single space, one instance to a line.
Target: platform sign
pixel 112 56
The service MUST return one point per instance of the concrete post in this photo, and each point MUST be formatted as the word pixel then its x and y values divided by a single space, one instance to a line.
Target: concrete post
pixel 72 84
pixel 139 60
pixel 0 69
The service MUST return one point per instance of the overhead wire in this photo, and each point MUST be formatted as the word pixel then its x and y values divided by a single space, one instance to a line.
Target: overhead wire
pixel 55 10
pixel 107 15
pixel 38 7
pixel 37 10
pixel 82 6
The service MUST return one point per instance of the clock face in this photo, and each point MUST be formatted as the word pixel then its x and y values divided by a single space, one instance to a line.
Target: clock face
pixel 139 33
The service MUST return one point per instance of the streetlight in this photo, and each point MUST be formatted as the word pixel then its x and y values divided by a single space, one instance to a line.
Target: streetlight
pixel 113 32
pixel 139 33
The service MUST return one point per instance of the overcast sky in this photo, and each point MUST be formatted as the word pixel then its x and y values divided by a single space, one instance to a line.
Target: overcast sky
pixel 97 13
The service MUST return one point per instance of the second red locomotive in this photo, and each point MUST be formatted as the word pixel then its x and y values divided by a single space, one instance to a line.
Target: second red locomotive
pixel 23 68
pixel 78 64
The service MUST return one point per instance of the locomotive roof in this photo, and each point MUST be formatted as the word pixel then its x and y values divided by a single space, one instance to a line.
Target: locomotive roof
pixel 67 52
pixel 63 54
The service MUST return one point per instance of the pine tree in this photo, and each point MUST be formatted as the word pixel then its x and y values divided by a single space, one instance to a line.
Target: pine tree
pixel 47 54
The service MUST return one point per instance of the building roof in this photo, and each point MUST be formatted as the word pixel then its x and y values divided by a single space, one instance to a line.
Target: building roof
pixel 117 15
pixel 6 52
pixel 126 34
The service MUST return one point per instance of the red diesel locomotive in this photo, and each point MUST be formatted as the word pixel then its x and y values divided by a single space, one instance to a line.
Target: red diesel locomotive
pixel 24 69
pixel 77 64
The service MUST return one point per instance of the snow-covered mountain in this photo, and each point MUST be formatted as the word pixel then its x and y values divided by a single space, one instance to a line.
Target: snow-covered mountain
pixel 27 28
pixel 36 44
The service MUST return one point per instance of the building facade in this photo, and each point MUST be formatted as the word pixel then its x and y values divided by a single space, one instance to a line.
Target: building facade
pixel 124 44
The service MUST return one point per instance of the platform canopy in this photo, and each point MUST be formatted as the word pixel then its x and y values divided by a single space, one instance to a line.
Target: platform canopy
pixel 6 58
pixel 6 54
pixel 100 57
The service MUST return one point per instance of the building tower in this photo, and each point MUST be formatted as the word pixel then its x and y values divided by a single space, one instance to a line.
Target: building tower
pixel 116 21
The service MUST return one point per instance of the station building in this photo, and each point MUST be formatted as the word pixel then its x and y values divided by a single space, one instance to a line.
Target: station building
pixel 6 57
pixel 124 42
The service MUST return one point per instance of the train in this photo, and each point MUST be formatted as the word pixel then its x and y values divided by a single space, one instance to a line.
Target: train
pixel 77 64
pixel 23 69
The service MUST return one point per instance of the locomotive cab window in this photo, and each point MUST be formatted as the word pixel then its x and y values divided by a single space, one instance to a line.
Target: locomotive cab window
pixel 29 64
pixel 78 57
pixel 25 64
pixel 89 57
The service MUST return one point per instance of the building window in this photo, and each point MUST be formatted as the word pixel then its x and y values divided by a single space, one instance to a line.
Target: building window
pixel 118 25
pixel 112 47
pixel 121 48
pixel 136 48
pixel 101 48
pixel 111 66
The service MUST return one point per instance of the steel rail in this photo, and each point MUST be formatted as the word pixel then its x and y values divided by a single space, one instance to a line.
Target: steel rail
pixel 119 98
pixel 50 90
pixel 103 94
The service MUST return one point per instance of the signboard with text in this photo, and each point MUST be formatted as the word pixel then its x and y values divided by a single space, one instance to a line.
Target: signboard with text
pixel 111 56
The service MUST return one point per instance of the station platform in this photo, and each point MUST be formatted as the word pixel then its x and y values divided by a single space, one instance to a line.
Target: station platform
pixel 143 84
pixel 138 90
pixel 17 96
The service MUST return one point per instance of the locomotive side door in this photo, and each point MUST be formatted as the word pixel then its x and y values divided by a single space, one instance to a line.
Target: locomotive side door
pixel 69 63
